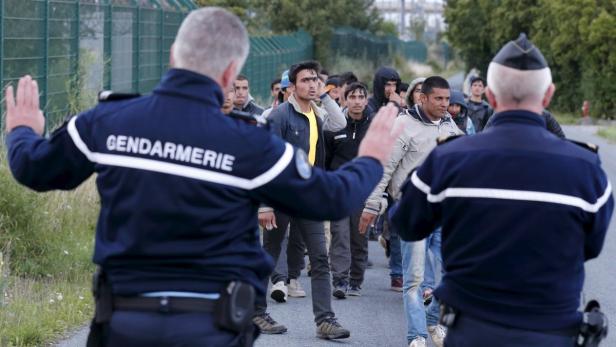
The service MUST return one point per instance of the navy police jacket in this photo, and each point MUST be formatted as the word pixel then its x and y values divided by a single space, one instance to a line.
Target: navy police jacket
pixel 180 184
pixel 521 210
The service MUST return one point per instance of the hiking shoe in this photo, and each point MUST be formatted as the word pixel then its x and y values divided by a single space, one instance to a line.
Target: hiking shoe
pixel 295 289
pixel 340 291
pixel 267 324
pixel 279 292
pixel 437 333
pixel 418 342
pixel 396 284
pixel 354 290
pixel 330 329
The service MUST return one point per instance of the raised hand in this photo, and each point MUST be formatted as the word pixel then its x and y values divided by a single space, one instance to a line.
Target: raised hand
pixel 24 110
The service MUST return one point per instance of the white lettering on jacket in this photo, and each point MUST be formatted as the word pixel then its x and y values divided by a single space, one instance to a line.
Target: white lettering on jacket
pixel 170 150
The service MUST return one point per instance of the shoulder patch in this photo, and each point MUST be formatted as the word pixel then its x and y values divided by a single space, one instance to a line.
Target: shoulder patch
pixel 108 95
pixel 586 145
pixel 304 169
pixel 444 139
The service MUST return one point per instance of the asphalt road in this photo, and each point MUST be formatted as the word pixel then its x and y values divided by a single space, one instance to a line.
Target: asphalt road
pixel 376 318
pixel 600 272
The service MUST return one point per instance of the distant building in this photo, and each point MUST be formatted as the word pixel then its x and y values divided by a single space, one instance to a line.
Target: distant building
pixel 408 15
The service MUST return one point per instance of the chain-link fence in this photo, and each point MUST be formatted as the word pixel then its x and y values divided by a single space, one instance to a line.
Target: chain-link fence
pixel 378 49
pixel 75 48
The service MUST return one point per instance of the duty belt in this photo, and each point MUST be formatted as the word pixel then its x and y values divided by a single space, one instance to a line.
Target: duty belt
pixel 163 304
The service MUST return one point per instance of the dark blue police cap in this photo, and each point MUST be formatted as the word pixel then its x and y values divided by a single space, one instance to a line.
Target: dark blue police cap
pixel 521 54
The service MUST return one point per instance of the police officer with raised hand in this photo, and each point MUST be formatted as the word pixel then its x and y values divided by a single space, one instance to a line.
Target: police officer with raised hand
pixel 177 240
pixel 521 211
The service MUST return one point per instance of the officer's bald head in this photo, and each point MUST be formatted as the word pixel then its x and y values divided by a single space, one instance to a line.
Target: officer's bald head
pixel 519 78
pixel 209 41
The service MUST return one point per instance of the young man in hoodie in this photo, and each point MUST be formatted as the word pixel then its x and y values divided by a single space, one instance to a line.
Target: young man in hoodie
pixel 459 112
pixel 243 101
pixel 348 252
pixel 479 111
pixel 385 89
pixel 422 125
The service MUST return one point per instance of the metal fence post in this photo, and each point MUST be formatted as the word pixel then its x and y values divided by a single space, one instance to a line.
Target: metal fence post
pixel 45 58
pixel 107 32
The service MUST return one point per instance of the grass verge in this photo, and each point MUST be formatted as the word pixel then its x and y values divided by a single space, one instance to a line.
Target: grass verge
pixel 564 118
pixel 608 133
pixel 45 250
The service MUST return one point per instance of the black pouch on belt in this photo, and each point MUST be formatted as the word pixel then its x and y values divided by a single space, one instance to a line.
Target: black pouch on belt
pixel 235 308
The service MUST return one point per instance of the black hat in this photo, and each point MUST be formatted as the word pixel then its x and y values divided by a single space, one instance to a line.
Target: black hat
pixel 521 54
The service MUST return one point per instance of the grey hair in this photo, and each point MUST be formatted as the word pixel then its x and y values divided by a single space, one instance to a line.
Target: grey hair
pixel 208 40
pixel 517 86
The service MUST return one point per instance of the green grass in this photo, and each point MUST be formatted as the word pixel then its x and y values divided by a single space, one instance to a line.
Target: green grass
pixel 46 242
pixel 608 133
pixel 565 118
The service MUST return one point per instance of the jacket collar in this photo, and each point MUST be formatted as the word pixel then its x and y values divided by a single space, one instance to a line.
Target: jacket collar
pixel 192 85
pixel 417 113
pixel 518 117
pixel 317 110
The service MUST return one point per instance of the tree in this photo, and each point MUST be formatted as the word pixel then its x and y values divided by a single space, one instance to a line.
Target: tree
pixel 577 37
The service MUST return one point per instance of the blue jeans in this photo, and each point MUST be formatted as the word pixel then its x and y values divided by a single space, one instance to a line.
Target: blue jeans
pixel 395 256
pixel 418 317
pixel 434 261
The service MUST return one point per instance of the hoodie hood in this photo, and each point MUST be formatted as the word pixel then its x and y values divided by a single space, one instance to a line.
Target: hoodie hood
pixel 457 97
pixel 409 92
pixel 381 77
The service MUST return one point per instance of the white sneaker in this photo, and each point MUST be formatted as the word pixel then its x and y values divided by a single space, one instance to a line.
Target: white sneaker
pixel 279 292
pixel 437 333
pixel 418 342
pixel 296 290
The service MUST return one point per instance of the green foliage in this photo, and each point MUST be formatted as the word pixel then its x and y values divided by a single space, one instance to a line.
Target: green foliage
pixel 317 17
pixel 577 38
pixel 608 133
pixel 46 235
pixel 45 245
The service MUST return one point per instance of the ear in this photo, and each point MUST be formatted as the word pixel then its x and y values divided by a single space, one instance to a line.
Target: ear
pixel 171 60
pixel 491 98
pixel 547 98
pixel 229 75
pixel 423 98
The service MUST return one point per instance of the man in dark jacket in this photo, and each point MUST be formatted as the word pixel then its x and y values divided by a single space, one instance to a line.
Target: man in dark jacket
pixel 348 250
pixel 301 122
pixel 385 88
pixel 243 101
pixel 513 276
pixel 478 109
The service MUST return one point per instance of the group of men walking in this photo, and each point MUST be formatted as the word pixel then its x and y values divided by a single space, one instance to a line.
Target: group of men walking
pixel 177 241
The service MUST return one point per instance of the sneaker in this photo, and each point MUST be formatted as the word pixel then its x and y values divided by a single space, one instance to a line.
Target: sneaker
pixel 330 329
pixel 296 290
pixel 279 292
pixel 340 291
pixel 354 290
pixel 418 342
pixel 267 324
pixel 437 333
pixel 396 284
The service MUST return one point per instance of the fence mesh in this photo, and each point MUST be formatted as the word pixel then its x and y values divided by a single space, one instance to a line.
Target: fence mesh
pixel 75 48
